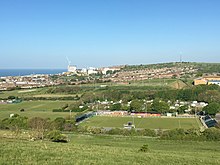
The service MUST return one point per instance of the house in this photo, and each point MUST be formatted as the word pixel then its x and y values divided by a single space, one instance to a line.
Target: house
pixel 207 80
pixel 216 82
pixel 112 113
pixel 200 81
pixel 145 114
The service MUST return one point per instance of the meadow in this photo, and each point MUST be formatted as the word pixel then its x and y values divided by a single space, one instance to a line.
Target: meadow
pixel 150 123
pixel 94 149
pixel 38 92
pixel 151 84
pixel 23 92
pixel 34 109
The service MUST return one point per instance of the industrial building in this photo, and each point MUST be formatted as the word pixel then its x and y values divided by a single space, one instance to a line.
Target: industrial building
pixel 207 80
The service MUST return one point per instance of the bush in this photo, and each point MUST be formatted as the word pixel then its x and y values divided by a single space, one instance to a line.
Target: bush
pixel 146 132
pixel 56 136
pixel 39 126
pixel 144 148
pixel 212 134
pixel 58 123
pixel 174 134
pixel 129 132
pixel 57 110
pixel 115 131
pixel 94 130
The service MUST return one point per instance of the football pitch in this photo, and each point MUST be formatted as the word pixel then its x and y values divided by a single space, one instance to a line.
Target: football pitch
pixel 150 123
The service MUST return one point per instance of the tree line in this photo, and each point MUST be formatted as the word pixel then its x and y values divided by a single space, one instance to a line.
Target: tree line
pixel 211 134
pixel 39 128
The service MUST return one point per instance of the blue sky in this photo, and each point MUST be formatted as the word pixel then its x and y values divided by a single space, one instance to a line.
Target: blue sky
pixel 41 33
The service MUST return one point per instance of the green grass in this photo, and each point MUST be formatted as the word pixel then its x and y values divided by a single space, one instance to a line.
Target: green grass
pixel 34 109
pixel 151 84
pixel 150 123
pixel 54 95
pixel 23 92
pixel 108 150
pixel 38 92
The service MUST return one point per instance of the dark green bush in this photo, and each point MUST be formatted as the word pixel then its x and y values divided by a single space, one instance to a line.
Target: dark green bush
pixel 146 132
pixel 175 134
pixel 144 148
pixel 56 136
pixel 212 134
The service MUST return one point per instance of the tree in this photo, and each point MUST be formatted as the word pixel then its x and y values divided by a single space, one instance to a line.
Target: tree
pixel 209 96
pixel 88 97
pixel 15 123
pixel 70 125
pixel 185 94
pixel 59 123
pixel 160 106
pixel 212 108
pixel 182 109
pixel 39 127
pixel 115 107
pixel 126 97
pixel 136 105
pixel 11 97
pixel 109 72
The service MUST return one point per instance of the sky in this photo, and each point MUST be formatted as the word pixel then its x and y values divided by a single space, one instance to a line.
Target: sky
pixel 42 33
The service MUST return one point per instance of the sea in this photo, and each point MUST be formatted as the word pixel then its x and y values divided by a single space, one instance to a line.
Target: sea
pixel 24 72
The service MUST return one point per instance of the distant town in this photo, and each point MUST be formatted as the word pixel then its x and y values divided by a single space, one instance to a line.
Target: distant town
pixel 117 74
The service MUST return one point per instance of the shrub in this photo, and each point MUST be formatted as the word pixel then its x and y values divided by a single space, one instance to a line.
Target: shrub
pixel 211 134
pixel 58 123
pixel 94 130
pixel 115 131
pixel 56 136
pixel 146 132
pixel 39 126
pixel 144 148
pixel 175 134
pixel 70 126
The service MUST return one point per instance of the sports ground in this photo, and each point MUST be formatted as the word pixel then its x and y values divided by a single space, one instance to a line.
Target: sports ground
pixel 150 123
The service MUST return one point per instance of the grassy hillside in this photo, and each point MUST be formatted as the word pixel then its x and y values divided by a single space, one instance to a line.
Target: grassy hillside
pixel 89 149
pixel 178 84
pixel 202 67
pixel 23 92
pixel 34 108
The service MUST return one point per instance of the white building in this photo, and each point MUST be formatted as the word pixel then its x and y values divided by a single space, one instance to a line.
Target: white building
pixel 84 70
pixel 104 70
pixel 72 68
pixel 92 70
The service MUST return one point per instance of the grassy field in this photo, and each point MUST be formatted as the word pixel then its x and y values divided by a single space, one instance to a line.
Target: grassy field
pixel 134 85
pixel 38 92
pixel 34 109
pixel 53 95
pixel 91 149
pixel 151 123
pixel 23 92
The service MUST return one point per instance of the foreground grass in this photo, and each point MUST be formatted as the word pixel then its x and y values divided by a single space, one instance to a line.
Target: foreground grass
pixel 91 149
pixel 150 123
